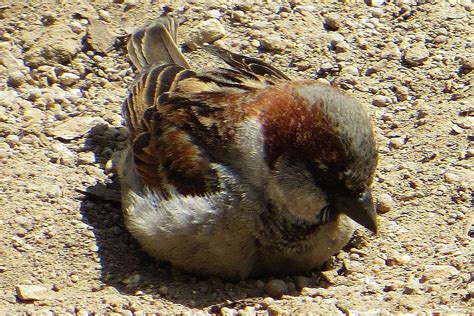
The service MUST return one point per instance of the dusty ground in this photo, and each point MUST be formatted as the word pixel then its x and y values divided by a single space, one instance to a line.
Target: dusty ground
pixel 64 74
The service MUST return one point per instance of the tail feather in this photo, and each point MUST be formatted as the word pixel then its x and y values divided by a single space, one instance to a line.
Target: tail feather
pixel 156 45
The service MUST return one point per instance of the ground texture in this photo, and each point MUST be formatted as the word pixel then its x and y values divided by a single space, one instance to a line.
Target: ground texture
pixel 64 74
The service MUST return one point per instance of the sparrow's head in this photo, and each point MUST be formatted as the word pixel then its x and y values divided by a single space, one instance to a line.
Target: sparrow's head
pixel 320 150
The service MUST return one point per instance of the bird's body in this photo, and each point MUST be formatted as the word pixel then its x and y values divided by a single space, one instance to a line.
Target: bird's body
pixel 240 172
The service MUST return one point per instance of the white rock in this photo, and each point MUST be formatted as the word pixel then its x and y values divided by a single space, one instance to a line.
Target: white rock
pixel 375 3
pixel 417 54
pixel 75 127
pixel 385 203
pixel 439 273
pixel 31 292
pixel 76 27
pixel 68 79
pixel 206 32
pixel 451 177
pixel 33 114
pixel 381 101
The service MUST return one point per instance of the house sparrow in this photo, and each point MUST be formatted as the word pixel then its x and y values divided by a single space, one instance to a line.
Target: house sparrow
pixel 240 171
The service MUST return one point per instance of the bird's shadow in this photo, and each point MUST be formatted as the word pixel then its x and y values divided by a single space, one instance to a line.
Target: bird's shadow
pixel 129 269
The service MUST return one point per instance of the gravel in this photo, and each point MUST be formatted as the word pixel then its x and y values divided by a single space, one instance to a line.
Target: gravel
pixel 64 75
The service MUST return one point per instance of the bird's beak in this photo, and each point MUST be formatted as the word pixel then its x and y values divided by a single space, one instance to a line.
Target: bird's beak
pixel 360 209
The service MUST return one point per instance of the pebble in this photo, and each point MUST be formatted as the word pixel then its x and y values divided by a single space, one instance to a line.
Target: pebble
pixel 206 32
pixel 57 44
pixel 68 79
pixel 397 142
pixel 276 288
pixel 77 27
pixel 381 101
pixel 375 3
pixel 417 54
pixel 470 289
pixel 228 311
pixel 33 114
pixel 75 127
pixel 132 280
pixel 402 93
pixel 333 21
pixel 100 37
pixel 438 273
pixel 86 158
pixel 467 62
pixel 74 278
pixel 342 46
pixel 353 266
pixel 450 177
pixel 272 43
pixel 385 203
pixel 302 282
pixel 12 140
pixel 412 287
pixel 31 292
pixel 163 290
pixel 16 78
pixel 391 51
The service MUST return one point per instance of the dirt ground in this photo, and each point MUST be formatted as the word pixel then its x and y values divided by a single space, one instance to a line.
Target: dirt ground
pixel 64 74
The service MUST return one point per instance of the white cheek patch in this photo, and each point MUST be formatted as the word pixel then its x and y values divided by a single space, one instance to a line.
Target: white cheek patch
pixel 292 189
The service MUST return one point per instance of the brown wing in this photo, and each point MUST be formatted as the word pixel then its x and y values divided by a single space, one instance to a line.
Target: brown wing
pixel 155 44
pixel 171 113
pixel 247 65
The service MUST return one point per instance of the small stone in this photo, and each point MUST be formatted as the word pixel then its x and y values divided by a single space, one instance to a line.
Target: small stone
pixel 99 36
pixel 75 127
pixel 333 21
pixel 385 203
pixel 86 158
pixel 132 280
pixel 467 62
pixel 397 142
pixel 438 273
pixel 16 78
pixel 76 27
pixel 163 290
pixel 56 45
pixel 272 43
pixel 12 140
pixel 404 259
pixel 342 46
pixel 206 32
pixel 213 14
pixel 391 51
pixel 401 92
pixel 351 70
pixel 470 289
pixel 276 288
pixel 33 114
pixel 417 54
pixel 381 101
pixel 450 177
pixel 302 282
pixel 412 287
pixel 228 311
pixel 353 266
pixel 68 79
pixel 31 292
pixel 274 310
pixel 74 278
pixel 375 3
pixel 456 130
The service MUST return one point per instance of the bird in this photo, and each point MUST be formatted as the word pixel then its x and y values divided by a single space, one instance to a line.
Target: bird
pixel 238 171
